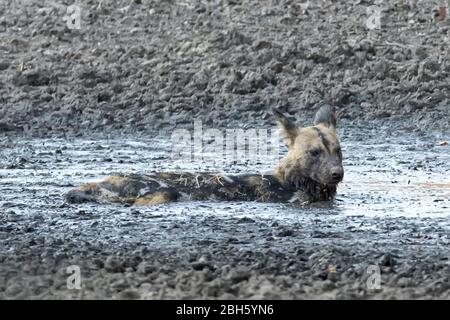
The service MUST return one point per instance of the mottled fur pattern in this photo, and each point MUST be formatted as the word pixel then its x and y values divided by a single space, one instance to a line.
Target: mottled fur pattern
pixel 310 172
pixel 155 188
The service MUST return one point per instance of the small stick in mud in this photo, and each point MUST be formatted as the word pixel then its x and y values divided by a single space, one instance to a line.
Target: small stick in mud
pixel 310 172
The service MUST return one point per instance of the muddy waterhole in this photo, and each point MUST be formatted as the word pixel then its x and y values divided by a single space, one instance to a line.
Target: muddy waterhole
pixel 395 195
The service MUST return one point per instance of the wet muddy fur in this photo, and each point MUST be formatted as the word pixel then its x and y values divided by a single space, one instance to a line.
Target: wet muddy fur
pixel 310 172
pixel 157 188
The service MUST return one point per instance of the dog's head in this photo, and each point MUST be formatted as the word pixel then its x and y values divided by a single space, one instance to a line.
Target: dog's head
pixel 313 152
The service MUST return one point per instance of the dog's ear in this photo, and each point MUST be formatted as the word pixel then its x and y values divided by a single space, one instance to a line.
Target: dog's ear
pixel 326 116
pixel 287 127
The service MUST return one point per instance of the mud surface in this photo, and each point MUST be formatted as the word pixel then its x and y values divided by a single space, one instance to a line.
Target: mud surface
pixel 146 65
pixel 78 105
pixel 392 211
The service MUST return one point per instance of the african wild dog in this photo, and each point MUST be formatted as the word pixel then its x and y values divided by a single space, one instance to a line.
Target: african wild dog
pixel 310 172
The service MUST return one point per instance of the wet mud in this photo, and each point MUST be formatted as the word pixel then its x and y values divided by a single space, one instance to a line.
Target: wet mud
pixel 391 212
pixel 80 105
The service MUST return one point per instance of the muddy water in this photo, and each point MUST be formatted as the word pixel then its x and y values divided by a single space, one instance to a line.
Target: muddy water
pixel 393 205
pixel 401 175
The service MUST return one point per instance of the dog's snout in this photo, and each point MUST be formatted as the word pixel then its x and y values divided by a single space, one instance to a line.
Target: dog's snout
pixel 337 174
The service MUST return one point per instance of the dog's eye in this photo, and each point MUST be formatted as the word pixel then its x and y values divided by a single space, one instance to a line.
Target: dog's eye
pixel 314 152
